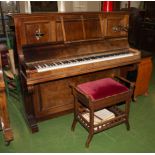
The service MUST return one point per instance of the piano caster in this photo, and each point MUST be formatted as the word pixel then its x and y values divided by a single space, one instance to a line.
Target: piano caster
pixel 0 127
pixel 146 93
pixel 7 143
pixel 134 99
pixel 32 123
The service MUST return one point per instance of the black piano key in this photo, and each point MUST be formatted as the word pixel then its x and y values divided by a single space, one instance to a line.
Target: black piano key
pixel 107 55
pixel 86 58
pixel 99 56
pixel 76 60
pixel 51 64
pixel 42 65
pixel 72 60
pixel 79 59
pixel 58 63
pixel 92 57
pixel 65 62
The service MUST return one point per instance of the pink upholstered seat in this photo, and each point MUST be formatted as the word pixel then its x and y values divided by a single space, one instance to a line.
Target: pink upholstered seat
pixel 102 88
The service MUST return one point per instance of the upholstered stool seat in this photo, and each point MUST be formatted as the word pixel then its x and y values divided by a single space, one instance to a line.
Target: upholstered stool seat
pixel 96 104
pixel 102 88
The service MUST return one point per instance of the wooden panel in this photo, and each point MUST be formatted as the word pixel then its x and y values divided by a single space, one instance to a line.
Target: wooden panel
pixel 45 28
pixel 143 77
pixel 114 25
pixel 92 27
pixel 59 34
pixel 33 30
pixel 111 24
pixel 54 97
pixel 36 30
pixel 73 28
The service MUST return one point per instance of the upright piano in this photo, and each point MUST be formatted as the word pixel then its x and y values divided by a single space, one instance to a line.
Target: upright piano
pixel 57 49
pixel 4 115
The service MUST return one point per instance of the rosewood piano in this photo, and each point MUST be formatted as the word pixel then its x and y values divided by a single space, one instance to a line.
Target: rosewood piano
pixel 57 49
pixel 4 116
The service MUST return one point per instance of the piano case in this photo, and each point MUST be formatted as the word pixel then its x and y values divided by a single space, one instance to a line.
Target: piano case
pixel 46 39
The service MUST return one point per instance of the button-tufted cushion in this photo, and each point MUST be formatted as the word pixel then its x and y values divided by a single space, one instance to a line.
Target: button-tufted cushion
pixel 102 88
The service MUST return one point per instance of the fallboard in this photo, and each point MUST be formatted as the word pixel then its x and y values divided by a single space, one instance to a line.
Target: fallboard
pixel 61 50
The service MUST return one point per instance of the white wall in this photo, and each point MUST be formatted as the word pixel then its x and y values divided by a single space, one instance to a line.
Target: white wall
pixel 135 4
pixel 25 7
pixel 94 6
pixel 75 6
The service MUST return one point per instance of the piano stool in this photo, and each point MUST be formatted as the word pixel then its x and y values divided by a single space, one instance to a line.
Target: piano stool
pixel 103 95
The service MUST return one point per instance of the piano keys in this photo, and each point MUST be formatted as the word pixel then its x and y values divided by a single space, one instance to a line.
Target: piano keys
pixel 72 48
pixel 81 61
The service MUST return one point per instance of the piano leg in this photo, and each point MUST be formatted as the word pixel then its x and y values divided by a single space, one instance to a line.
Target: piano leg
pixel 30 110
pixel 32 123
pixel 29 113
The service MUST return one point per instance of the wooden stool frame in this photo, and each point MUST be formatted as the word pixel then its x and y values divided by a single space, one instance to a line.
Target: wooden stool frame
pixel 83 103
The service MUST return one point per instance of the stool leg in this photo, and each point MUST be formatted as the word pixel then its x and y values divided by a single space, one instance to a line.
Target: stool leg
pixel 91 129
pixel 90 136
pixel 74 124
pixel 75 114
pixel 127 125
pixel 127 107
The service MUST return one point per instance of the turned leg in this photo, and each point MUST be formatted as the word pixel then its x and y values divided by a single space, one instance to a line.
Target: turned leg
pixel 76 106
pixel 90 136
pixel 74 124
pixel 91 128
pixel 127 108
pixel 127 125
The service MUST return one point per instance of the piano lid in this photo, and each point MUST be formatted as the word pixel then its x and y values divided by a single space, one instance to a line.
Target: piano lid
pixel 68 27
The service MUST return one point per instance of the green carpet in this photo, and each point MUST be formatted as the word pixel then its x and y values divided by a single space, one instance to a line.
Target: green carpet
pixel 55 134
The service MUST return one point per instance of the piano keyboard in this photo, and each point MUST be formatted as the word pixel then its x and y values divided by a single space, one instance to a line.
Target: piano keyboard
pixel 81 61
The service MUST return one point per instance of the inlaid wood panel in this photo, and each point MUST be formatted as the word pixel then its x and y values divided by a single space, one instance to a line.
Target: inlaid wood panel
pixel 112 26
pixel 37 32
